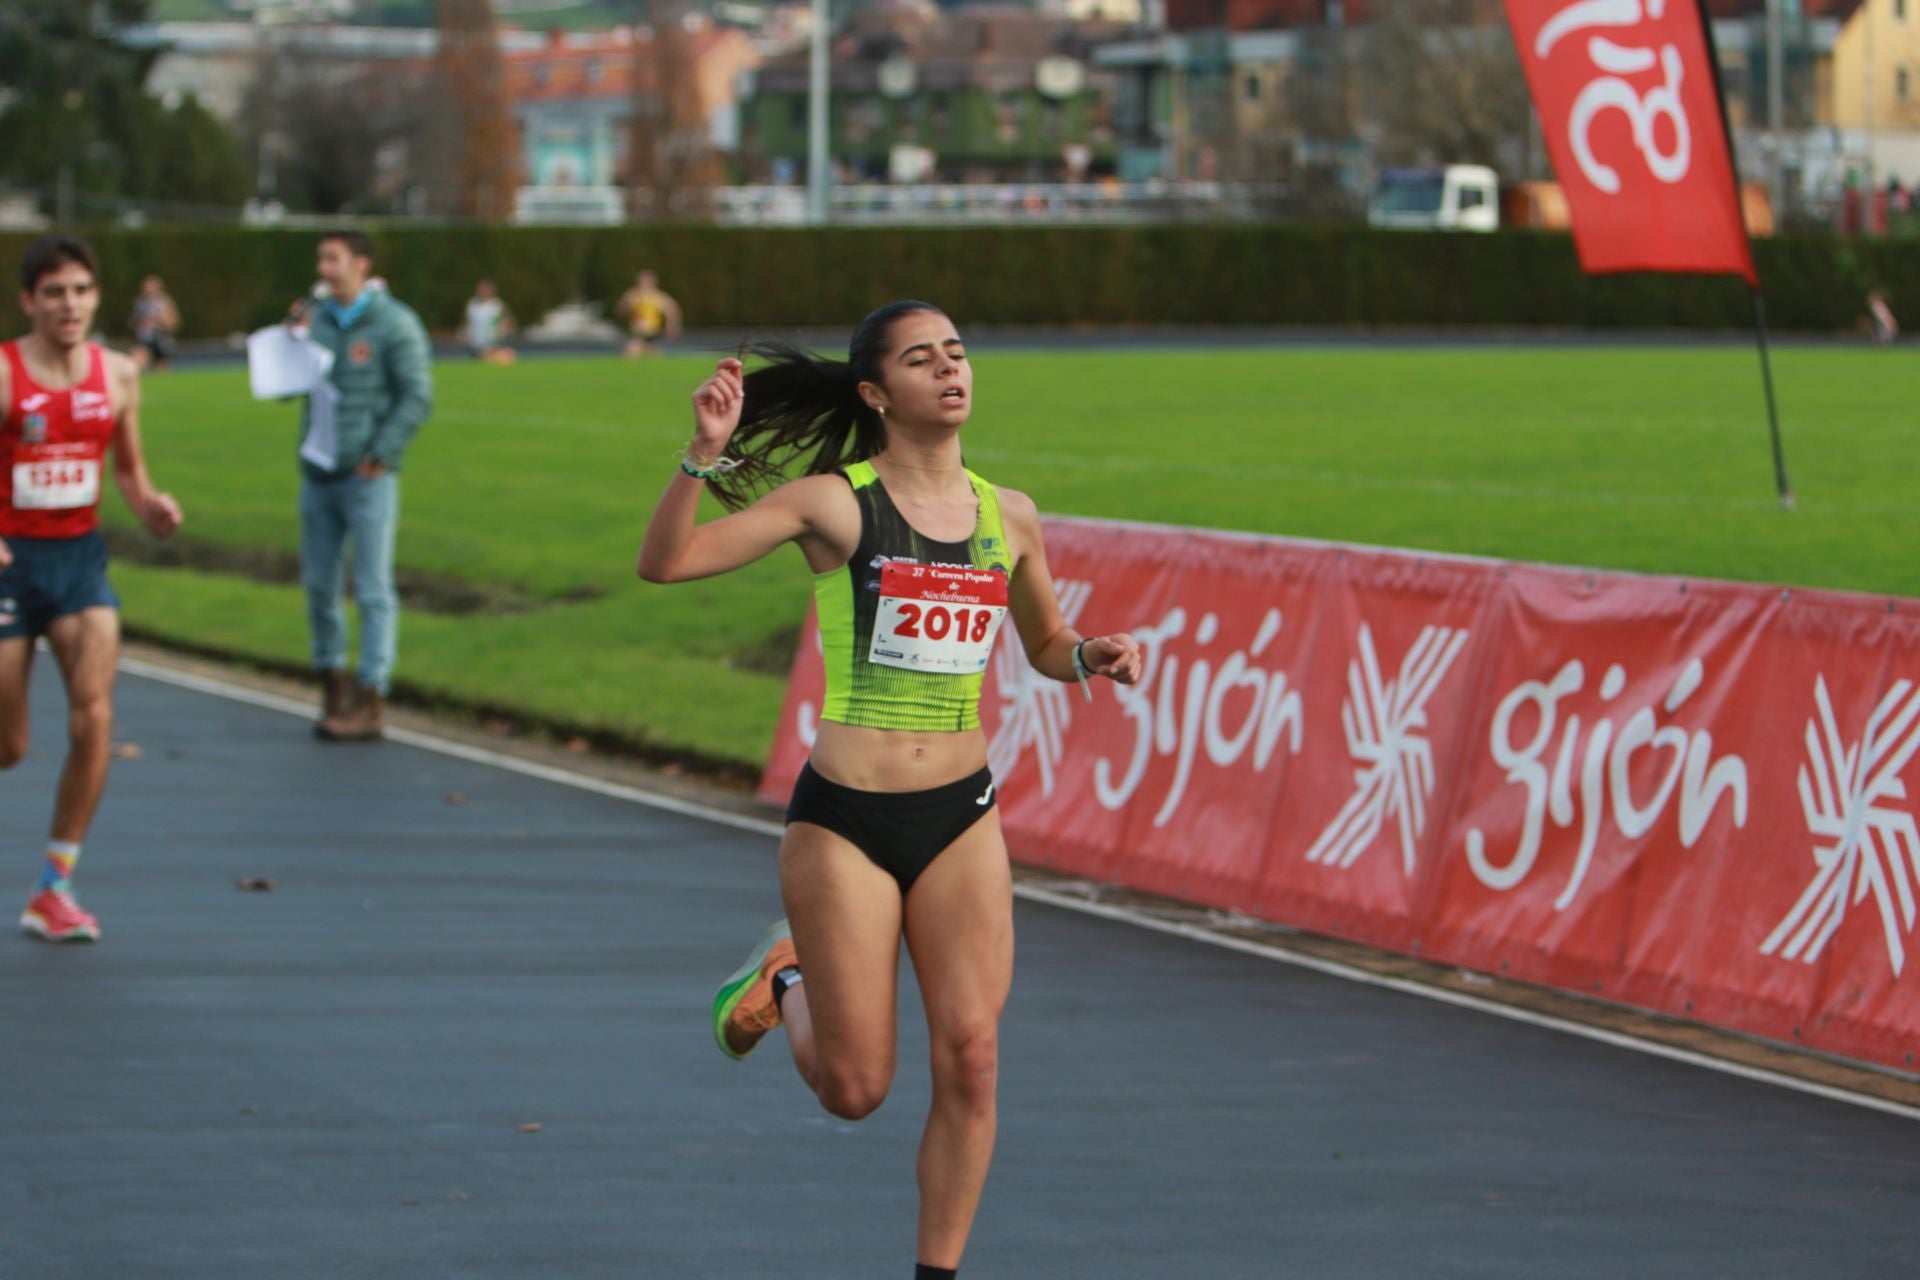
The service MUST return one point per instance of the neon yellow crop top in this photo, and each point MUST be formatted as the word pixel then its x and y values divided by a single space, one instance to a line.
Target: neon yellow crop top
pixel 868 683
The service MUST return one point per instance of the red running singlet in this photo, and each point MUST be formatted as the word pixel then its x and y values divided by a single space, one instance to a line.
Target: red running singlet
pixel 53 448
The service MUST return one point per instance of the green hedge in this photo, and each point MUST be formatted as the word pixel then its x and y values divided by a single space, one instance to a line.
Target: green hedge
pixel 230 280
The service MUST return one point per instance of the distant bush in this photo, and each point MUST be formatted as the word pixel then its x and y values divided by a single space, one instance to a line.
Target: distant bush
pixel 229 279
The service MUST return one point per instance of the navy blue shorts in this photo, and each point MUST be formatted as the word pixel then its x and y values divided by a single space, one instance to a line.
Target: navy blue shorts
pixel 52 578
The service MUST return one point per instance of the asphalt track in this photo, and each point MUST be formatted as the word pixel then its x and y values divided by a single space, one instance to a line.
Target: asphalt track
pixel 330 1079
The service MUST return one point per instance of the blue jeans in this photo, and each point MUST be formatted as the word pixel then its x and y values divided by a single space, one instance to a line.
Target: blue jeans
pixel 367 513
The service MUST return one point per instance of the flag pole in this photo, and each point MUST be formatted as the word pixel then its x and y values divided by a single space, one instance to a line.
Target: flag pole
pixel 1773 417
pixel 1781 485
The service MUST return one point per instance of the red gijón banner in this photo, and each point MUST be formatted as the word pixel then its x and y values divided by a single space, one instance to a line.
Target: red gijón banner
pixel 1631 112
pixel 1696 797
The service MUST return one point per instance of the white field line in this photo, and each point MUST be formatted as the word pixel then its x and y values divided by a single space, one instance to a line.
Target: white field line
pixel 1049 897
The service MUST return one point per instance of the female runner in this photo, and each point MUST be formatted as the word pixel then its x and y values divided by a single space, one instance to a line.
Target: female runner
pixel 891 830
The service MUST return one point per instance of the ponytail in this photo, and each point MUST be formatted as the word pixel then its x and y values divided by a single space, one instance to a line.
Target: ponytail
pixel 798 404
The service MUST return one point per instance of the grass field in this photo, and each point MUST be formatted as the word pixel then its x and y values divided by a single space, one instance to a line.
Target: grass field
pixel 538 479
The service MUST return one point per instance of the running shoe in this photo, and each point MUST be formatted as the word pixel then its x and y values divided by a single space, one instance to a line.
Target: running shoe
pixel 743 1007
pixel 55 916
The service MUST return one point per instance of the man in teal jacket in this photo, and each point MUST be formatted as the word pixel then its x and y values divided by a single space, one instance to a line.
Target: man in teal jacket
pixel 354 438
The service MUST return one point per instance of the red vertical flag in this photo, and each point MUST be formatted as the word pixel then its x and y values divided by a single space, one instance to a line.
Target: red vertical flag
pixel 1630 106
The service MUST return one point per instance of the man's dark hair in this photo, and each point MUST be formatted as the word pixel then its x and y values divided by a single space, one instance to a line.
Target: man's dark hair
pixel 356 241
pixel 50 253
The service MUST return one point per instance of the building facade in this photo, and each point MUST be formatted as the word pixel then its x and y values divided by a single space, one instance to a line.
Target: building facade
pixel 981 93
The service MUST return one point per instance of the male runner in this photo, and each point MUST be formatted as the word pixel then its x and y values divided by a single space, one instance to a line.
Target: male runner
pixel 64 402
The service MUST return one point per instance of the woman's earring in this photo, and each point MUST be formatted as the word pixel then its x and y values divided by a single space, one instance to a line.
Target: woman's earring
pixel 880 409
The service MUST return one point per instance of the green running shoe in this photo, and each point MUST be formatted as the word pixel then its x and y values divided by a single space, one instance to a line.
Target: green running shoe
pixel 743 1007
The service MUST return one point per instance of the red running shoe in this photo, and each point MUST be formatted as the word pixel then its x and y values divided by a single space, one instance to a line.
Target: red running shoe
pixel 56 917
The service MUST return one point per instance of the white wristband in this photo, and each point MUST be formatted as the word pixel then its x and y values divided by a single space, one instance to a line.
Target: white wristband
pixel 1081 670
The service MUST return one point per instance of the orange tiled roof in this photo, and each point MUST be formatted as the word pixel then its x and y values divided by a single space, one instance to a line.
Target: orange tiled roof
pixel 601 68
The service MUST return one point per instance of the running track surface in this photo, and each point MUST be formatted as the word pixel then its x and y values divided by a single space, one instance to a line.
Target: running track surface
pixel 328 1080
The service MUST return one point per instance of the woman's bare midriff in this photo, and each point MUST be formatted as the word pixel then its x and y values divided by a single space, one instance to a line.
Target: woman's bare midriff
pixel 896 759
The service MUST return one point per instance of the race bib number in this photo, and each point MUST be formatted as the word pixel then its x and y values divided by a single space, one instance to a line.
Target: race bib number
pixel 56 484
pixel 934 618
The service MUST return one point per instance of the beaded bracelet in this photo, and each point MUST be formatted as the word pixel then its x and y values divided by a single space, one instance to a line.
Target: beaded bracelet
pixel 719 466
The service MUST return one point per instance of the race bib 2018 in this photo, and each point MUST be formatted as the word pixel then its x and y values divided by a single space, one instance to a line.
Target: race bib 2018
pixel 937 618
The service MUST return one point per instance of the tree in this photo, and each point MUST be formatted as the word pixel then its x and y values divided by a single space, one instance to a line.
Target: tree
pixel 672 168
pixel 1443 84
pixel 477 128
pixel 181 154
pixel 1425 82
pixel 52 49
pixel 1324 120
pixel 75 113
pixel 323 129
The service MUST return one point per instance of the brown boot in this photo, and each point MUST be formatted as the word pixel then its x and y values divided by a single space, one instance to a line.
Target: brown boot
pixel 359 722
pixel 336 696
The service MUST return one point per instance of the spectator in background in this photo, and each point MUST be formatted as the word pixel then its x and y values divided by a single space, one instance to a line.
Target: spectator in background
pixel 356 431
pixel 1880 319
pixel 155 320
pixel 650 315
pixel 488 325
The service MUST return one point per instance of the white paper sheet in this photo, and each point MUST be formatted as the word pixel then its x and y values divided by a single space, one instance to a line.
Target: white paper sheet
pixel 284 362
pixel 322 445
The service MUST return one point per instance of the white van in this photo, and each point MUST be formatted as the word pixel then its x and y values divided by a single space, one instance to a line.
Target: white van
pixel 1460 197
